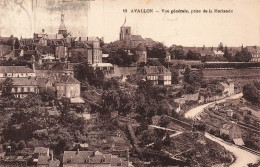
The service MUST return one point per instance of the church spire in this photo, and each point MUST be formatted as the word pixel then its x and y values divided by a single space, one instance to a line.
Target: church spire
pixel 62 28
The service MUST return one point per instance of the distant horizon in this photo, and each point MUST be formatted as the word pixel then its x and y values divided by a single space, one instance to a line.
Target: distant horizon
pixel 103 18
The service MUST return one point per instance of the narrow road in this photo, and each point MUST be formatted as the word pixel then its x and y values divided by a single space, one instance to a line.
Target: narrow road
pixel 243 157
pixel 172 135
pixel 197 110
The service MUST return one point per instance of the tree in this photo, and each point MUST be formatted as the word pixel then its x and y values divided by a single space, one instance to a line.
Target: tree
pixel 175 75
pixel 157 51
pixel 98 79
pixel 251 93
pixel 187 74
pixel 191 55
pixel 177 52
pixel 121 57
pixel 164 121
pixel 7 87
pixel 47 94
pixel 227 55
pixel 86 74
pixel 220 47
pixel 31 100
pixel 110 101
pixel 243 56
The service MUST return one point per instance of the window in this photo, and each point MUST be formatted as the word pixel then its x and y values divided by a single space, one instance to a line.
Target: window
pixel 22 89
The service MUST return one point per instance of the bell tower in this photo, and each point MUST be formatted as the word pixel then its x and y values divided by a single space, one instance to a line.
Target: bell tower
pixel 125 32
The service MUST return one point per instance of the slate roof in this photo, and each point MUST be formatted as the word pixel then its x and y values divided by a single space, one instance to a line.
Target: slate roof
pixel 68 79
pixel 24 81
pixel 15 69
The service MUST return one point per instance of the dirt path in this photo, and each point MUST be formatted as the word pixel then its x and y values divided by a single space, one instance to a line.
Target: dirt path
pixel 195 111
pixel 243 157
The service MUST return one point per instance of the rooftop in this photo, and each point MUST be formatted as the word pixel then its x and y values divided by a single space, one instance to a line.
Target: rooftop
pixel 68 79
pixel 15 69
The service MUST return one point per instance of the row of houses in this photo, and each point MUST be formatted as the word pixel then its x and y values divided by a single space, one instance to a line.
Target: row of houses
pixel 26 80
pixel 44 157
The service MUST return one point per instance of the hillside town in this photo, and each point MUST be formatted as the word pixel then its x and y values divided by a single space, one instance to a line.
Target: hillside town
pixel 77 101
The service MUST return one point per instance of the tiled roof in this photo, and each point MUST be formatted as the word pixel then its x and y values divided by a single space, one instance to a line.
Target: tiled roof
pixel 102 65
pixel 136 38
pixel 43 49
pixel 45 160
pixel 218 52
pixel 76 157
pixel 151 70
pixel 224 84
pixel 55 36
pixel 4 39
pixel 156 70
pixel 141 47
pixel 15 69
pixel 24 81
pixel 4 49
pixel 68 79
pixel 86 39
pixel 30 52
pixel 85 157
pixel 41 82
pixel 149 39
pixel 76 100
pixel 40 150
pixel 76 51
pixel 253 49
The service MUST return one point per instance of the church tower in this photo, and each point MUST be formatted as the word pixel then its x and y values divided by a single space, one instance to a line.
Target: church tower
pixel 62 28
pixel 125 32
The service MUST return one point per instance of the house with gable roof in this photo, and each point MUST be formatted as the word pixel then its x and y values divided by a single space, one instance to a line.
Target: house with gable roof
pixel 158 75
pixel 255 51
pixel 227 88
pixel 68 87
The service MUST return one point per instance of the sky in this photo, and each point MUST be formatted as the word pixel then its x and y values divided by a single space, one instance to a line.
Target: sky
pixel 103 18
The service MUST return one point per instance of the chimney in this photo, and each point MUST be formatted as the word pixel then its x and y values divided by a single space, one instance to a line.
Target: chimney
pixel 77 151
pixel 79 38
pixel 43 31
pixel 52 156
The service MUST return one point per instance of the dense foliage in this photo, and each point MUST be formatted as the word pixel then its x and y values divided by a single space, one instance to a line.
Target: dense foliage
pixel 88 76
pixel 122 58
pixel 251 92
pixel 33 125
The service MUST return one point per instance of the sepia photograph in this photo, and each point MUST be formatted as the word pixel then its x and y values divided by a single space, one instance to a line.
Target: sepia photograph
pixel 130 83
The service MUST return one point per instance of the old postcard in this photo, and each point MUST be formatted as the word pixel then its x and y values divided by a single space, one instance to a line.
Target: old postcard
pixel 129 83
